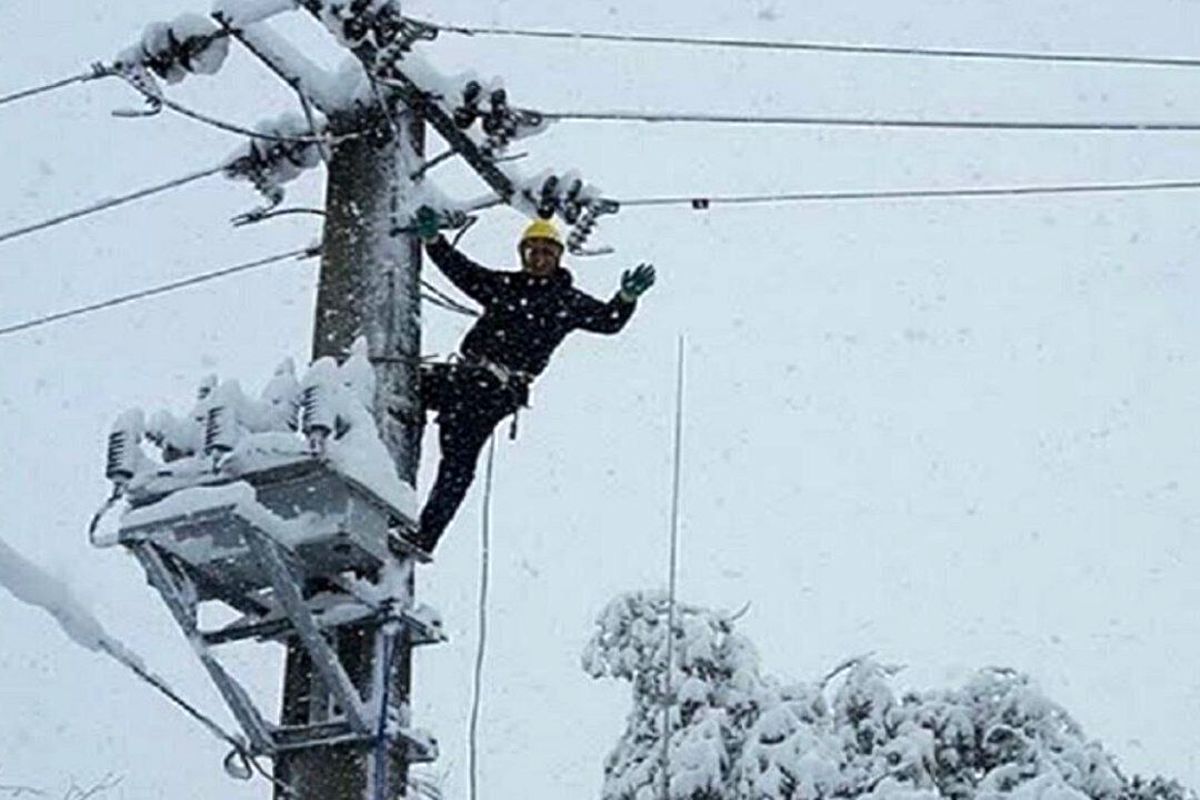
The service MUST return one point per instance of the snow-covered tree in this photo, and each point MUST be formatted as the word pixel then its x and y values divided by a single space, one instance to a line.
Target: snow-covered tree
pixel 736 733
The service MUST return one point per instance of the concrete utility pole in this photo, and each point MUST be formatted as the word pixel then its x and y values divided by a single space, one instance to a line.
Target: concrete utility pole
pixel 345 731
pixel 369 286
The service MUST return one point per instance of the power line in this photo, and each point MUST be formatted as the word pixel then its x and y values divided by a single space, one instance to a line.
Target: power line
pixel 305 252
pixel 701 202
pixel 825 47
pixel 97 71
pixel 109 203
pixel 865 122
pixel 160 101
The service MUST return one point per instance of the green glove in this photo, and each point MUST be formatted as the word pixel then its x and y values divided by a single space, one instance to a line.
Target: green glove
pixel 634 283
pixel 426 224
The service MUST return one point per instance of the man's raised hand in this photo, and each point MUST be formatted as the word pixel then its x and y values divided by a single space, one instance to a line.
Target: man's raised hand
pixel 635 282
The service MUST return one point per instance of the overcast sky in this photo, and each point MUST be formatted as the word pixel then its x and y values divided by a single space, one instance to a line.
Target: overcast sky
pixel 955 433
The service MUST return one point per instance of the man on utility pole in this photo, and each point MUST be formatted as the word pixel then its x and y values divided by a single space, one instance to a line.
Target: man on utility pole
pixel 345 732
pixel 526 315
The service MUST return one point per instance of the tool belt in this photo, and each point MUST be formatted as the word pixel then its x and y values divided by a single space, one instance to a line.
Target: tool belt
pixel 515 380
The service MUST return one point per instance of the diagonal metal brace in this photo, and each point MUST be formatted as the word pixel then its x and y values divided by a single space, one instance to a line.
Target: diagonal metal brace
pixel 184 611
pixel 274 559
pixel 417 99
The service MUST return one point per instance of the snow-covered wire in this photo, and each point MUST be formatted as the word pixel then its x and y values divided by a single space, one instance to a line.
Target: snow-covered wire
pixel 157 101
pixel 673 571
pixel 822 47
pixel 618 115
pixel 103 205
pixel 97 71
pixel 485 545
pixel 306 252
pixel 701 202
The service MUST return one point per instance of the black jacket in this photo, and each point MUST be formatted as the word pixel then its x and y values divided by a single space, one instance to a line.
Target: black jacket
pixel 525 317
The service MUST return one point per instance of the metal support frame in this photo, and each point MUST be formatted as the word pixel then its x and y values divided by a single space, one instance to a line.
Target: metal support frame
pixel 172 586
pixel 273 557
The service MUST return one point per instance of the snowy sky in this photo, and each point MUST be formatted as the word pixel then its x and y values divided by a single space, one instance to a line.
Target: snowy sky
pixel 954 433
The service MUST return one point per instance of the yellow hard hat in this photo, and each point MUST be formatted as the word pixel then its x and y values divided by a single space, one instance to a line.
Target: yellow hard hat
pixel 542 229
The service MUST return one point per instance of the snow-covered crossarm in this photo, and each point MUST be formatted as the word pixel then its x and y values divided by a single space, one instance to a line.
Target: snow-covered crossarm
pixel 737 734
pixel 311 82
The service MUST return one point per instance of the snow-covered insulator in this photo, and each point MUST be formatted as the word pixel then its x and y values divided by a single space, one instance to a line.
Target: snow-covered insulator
pixel 499 123
pixel 571 204
pixel 207 385
pixel 396 35
pixel 586 226
pixel 268 163
pixel 375 22
pixel 358 375
pixel 221 429
pixel 173 50
pixel 176 438
pixel 547 201
pixel 318 413
pixel 468 111
pixel 281 396
pixel 124 447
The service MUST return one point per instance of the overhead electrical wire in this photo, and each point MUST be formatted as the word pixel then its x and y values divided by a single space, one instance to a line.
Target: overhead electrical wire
pixel 865 122
pixel 112 202
pixel 700 202
pixel 823 47
pixel 95 72
pixel 156 101
pixel 306 252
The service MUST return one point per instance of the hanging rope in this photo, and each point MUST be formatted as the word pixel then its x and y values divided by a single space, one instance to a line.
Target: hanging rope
pixel 867 122
pixel 104 205
pixel 673 573
pixel 701 202
pixel 97 71
pixel 485 536
pixel 822 47
pixel 306 252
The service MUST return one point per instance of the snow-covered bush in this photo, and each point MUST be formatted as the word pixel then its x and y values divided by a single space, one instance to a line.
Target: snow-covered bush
pixel 736 733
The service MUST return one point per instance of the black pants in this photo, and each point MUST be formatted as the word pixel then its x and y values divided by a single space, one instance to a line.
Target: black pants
pixel 470 402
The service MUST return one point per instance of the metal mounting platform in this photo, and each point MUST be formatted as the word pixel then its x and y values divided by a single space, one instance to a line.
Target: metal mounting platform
pixel 299 552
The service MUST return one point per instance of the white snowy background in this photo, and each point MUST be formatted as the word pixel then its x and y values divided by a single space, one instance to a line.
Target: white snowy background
pixel 955 433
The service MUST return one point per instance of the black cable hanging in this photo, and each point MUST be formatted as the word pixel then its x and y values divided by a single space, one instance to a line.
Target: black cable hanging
pixel 826 47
